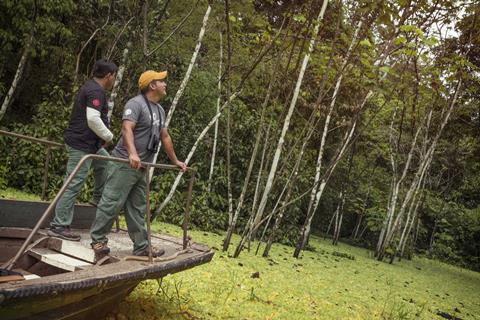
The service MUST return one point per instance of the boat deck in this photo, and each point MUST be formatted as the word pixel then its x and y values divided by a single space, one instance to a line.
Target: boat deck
pixel 61 279
pixel 78 256
pixel 77 280
pixel 121 246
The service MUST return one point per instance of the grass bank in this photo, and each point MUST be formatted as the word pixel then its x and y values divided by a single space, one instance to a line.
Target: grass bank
pixel 331 282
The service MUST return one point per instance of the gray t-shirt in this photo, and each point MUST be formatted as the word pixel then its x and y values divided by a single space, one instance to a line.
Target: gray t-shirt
pixel 136 110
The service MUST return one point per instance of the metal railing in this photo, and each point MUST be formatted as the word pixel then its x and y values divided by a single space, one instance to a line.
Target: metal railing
pixel 145 165
pixel 48 144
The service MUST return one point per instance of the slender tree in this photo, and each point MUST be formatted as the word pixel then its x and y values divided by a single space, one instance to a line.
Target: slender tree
pixel 186 78
pixel 286 124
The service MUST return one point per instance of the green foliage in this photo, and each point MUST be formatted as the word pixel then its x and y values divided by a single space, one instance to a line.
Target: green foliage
pixel 3 177
pixel 420 71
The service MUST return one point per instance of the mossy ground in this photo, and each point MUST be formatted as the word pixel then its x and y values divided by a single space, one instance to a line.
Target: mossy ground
pixel 322 284
pixel 10 193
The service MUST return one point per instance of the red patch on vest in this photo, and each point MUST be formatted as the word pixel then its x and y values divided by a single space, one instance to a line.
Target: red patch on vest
pixel 96 103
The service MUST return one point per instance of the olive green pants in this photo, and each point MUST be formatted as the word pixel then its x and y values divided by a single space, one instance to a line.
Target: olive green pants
pixel 125 188
pixel 64 208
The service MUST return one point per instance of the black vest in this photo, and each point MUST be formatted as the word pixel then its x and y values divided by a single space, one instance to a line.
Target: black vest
pixel 78 135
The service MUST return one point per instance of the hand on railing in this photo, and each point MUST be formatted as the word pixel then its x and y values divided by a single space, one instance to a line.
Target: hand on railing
pixel 181 165
pixel 135 162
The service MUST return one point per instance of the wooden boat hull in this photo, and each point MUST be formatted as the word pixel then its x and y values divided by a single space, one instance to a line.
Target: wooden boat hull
pixel 92 292
pixel 78 304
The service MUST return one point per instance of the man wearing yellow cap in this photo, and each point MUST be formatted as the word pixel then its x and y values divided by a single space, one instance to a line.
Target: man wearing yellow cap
pixel 143 127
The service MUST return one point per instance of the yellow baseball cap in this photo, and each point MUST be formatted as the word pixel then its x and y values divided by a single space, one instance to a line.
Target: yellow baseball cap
pixel 148 76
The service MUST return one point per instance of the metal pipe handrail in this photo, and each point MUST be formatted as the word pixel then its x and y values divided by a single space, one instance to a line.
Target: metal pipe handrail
pixel 49 210
pixel 38 140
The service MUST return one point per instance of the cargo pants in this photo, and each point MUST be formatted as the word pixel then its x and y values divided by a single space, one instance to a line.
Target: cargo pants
pixel 64 208
pixel 125 188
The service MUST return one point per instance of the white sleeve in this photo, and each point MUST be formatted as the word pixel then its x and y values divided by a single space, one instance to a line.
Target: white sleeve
pixel 96 124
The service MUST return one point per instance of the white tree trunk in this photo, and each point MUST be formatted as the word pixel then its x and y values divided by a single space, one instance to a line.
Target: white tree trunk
pixel 316 193
pixel 305 231
pixel 286 124
pixel 186 78
pixel 215 137
pixel 232 222
pixel 17 78
pixel 118 80
pixel 414 217
pixel 193 149
pixel 260 171
pixel 396 184
pixel 411 215
pixel 420 171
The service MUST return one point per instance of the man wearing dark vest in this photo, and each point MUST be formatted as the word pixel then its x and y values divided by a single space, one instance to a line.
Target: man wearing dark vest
pixel 87 133
pixel 143 127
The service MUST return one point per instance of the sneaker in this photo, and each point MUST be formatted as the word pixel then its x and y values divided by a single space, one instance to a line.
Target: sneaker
pixel 100 248
pixel 155 253
pixel 63 233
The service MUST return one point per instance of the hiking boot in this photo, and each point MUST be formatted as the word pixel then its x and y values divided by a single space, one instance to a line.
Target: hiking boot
pixel 63 233
pixel 100 248
pixel 155 253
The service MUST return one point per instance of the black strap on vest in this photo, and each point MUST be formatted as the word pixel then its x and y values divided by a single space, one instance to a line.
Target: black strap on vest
pixel 150 110
pixel 153 139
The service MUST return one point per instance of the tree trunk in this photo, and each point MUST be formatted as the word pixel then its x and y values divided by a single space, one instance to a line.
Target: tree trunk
pixel 185 80
pixel 357 226
pixel 413 207
pixel 336 216
pixel 305 230
pixel 215 137
pixel 18 76
pixel 232 223
pixel 192 151
pixel 410 227
pixel 290 185
pixel 314 119
pixel 420 172
pixel 79 55
pixel 286 124
pixel 396 184
pixel 338 227
pixel 342 197
pixel 228 131
pixel 215 118
pixel 248 225
pixel 118 80
pixel 319 186
pixel 432 236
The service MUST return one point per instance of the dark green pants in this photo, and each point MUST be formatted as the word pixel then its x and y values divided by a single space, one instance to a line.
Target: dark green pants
pixel 125 188
pixel 65 205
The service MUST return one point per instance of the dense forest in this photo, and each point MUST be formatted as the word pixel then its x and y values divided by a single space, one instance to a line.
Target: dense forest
pixel 354 120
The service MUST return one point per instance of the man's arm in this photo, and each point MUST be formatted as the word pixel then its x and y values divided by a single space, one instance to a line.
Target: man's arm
pixel 128 140
pixel 96 124
pixel 168 146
